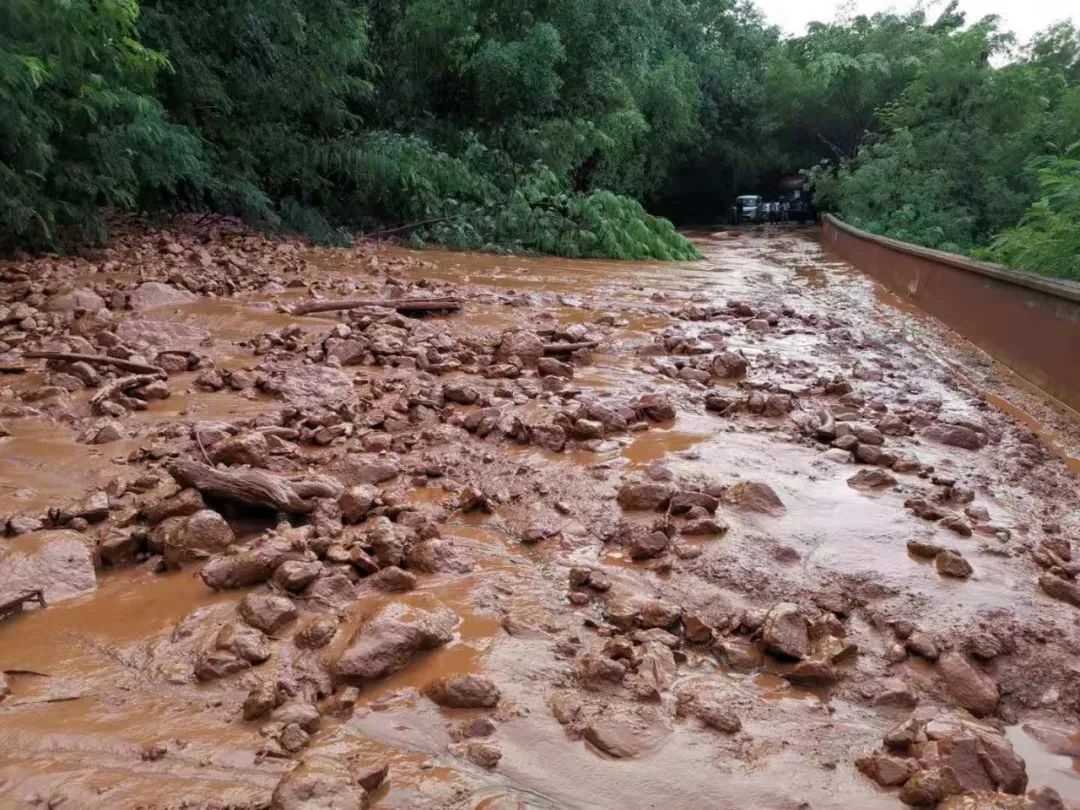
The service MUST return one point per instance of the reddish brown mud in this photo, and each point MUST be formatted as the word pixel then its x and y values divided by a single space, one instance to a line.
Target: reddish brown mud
pixel 775 542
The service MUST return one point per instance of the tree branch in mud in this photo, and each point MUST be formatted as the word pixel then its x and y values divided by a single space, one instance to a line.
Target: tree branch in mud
pixel 567 348
pixel 97 359
pixel 401 305
pixel 251 487
pixel 121 386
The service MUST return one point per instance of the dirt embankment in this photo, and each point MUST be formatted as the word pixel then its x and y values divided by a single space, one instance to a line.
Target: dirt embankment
pixel 538 533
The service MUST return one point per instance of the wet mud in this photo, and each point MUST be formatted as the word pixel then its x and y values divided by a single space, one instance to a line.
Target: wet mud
pixel 763 536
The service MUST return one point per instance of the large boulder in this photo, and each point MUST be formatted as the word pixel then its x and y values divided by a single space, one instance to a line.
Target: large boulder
pixel 786 631
pixel 389 640
pixel 154 294
pixel 72 300
pixel 970 687
pixel 320 783
pixel 58 563
pixel 464 692
pixel 192 537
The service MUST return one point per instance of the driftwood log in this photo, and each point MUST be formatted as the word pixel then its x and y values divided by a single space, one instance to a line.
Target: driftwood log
pixel 254 487
pixel 400 304
pixel 96 359
pixel 567 348
pixel 123 386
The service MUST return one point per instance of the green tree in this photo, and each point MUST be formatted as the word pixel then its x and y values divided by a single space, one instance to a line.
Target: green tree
pixel 80 130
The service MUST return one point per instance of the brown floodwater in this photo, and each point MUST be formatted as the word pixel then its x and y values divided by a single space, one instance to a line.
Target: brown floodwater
pixel 90 690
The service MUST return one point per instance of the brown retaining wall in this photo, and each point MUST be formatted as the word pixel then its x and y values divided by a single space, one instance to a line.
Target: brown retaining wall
pixel 1029 323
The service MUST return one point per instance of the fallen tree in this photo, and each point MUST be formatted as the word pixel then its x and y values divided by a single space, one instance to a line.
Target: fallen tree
pixel 96 359
pixel 402 305
pixel 254 487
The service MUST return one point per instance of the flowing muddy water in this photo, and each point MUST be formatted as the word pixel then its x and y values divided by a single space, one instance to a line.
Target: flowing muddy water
pixel 104 711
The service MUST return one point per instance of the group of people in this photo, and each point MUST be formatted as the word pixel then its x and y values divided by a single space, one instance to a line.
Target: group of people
pixel 777 211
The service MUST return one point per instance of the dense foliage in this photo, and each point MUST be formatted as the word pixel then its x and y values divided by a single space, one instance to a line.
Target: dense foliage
pixel 973 138
pixel 543 126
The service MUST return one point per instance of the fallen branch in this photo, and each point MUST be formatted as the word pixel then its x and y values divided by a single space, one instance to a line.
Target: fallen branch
pixel 120 386
pixel 567 348
pixel 252 487
pixel 97 359
pixel 400 304
pixel 8 369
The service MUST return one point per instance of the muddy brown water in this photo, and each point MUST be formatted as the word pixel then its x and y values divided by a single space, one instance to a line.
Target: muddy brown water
pixel 91 687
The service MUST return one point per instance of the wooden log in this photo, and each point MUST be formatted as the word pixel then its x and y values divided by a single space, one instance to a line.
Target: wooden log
pixel 97 359
pixel 121 386
pixel 567 348
pixel 10 369
pixel 252 487
pixel 400 304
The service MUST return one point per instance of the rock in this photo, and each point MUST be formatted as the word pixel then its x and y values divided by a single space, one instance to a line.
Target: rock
pixel 370 777
pixel 525 346
pixel 644 495
pixel 754 496
pixel 683 502
pixel 321 783
pixel 184 539
pixel 656 407
pixel 887 770
pixel 389 640
pixel 786 631
pixel 483 754
pixel 393 579
pixel 94 508
pixel 924 548
pixel 317 633
pixel 365 468
pixel 438 555
pixel 463 692
pixel 971 688
pixel 658 613
pixel 251 449
pixel 550 367
pixel 928 787
pixel 298 712
pixel 1060 588
pixel 955 436
pixel 729 365
pixel 316 385
pixel 185 502
pixel 77 299
pixel 875 478
pixel 59 563
pixel 236 647
pixel 715 715
pixel 293 738
pixel 739 654
pixel 118 547
pixel 622 734
pixel 295 575
pixel 461 392
pixel 153 294
pixel 951 564
pixel 356 501
pixel 649 545
pixel 267 612
pixel 261 699
pixel 922 645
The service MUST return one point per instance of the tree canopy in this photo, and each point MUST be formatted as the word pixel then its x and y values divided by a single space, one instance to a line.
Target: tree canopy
pixel 549 126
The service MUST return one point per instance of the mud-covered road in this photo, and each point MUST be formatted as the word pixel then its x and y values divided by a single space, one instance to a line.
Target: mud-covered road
pixel 743 533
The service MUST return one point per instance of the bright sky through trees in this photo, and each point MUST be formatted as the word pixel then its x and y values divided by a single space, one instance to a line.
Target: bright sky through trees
pixel 1024 18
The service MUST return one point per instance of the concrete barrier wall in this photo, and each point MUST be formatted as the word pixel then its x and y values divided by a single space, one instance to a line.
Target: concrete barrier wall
pixel 1029 323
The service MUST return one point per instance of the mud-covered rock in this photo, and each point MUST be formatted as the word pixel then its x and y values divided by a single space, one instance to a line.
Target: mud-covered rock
pixel 193 537
pixel 464 692
pixel 58 563
pixel 970 688
pixel 645 495
pixel 389 640
pixel 319 783
pixel 754 496
pixel 154 294
pixel 786 631
pixel 267 612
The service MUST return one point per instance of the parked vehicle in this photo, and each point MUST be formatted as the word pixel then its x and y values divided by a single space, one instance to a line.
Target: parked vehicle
pixel 747 208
